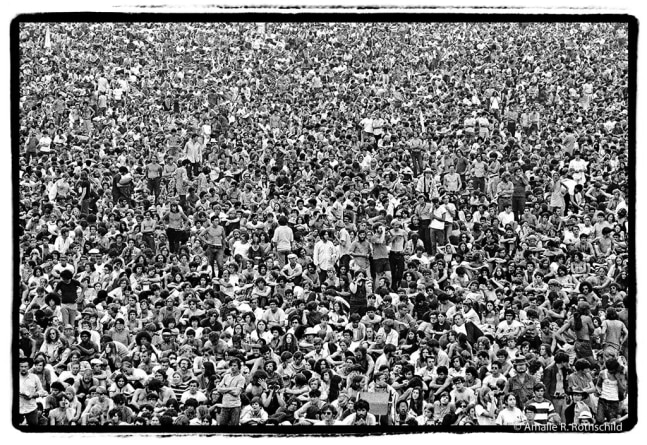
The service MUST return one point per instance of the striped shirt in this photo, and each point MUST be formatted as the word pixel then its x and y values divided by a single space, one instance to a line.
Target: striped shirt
pixel 544 409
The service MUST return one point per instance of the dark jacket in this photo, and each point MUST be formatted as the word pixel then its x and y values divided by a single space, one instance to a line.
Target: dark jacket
pixel 473 332
pixel 550 379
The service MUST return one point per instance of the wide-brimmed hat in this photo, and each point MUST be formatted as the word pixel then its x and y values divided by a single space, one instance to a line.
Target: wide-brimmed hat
pixel 578 390
pixel 585 415
pixel 520 360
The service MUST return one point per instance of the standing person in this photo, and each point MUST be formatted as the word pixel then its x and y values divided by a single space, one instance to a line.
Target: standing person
pixel 437 226
pixel 147 228
pixel 415 150
pixel 519 183
pixel 452 180
pixel 397 240
pixel 423 211
pixel 31 145
pixel 511 116
pixel 283 240
pixel 534 120
pixel 558 191
pixel 462 165
pixel 614 334
pixel 544 407
pixel 579 167
pixel 525 122
pixel 504 191
pixel 522 384
pixel 381 266
pixel 213 237
pixel 426 185
pixel 360 251
pixel 122 185
pixel 173 143
pixel 478 171
pixel 175 219
pixel 231 386
pixel 450 207
pixel 85 195
pixel 582 325
pixel 555 380
pixel 324 255
pixel 193 151
pixel 182 181
pixel 493 175
pixel 612 389
pixel 30 388
pixel 154 177
pixel 70 291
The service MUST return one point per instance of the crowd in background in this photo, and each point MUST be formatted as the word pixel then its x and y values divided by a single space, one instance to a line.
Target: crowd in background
pixel 323 224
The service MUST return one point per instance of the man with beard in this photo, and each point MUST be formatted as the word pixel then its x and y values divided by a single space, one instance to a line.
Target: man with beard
pixel 361 416
pixel 360 250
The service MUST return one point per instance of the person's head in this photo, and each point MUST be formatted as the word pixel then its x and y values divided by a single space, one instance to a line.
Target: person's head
pixel 531 411
pixel 361 408
pixel 511 401
pixel 234 365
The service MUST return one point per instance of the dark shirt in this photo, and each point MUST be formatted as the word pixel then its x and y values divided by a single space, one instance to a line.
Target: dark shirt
pixel 68 291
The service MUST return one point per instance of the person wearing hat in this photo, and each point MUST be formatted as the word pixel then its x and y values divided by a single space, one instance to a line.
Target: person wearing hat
pixel 522 384
pixel 578 406
pixel 292 271
pixel 585 418
pixel 427 185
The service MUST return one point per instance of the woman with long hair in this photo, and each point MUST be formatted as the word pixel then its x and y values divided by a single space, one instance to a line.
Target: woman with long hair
pixel 288 343
pixel 53 346
pixel 409 341
pixel 486 406
pixel 261 332
pixel 121 385
pixel 175 220
pixel 582 326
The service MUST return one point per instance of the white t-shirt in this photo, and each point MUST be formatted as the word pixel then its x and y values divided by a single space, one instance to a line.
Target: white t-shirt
pixel 367 123
pixel 510 417
pixel 506 218
pixel 439 212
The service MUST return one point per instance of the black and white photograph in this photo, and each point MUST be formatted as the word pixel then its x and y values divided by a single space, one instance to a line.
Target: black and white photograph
pixel 323 223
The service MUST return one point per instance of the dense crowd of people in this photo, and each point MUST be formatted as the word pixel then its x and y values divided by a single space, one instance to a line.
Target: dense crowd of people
pixel 323 224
